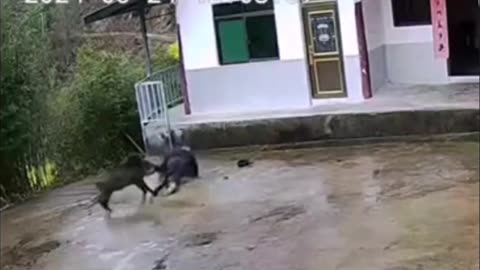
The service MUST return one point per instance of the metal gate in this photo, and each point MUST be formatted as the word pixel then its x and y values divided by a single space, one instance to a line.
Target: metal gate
pixel 153 107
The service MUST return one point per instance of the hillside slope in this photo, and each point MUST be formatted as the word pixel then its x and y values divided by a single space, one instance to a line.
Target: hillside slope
pixel 120 33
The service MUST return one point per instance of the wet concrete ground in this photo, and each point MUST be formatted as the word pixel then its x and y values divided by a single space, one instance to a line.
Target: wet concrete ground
pixel 385 207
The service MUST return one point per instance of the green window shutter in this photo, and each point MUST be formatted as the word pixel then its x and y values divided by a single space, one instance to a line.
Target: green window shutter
pixel 232 39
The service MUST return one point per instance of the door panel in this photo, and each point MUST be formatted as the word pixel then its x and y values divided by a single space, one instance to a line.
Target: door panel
pixel 322 36
pixel 328 74
pixel 323 27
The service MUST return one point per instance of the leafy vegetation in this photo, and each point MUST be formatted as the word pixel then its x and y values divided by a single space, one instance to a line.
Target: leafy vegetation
pixel 26 75
pixel 63 114
pixel 91 115
pixel 166 56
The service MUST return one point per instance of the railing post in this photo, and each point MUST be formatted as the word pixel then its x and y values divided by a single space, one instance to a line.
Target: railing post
pixel 165 111
pixel 166 87
pixel 141 114
pixel 141 13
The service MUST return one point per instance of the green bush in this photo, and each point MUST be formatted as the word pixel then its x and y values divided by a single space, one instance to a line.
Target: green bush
pixel 56 125
pixel 166 56
pixel 25 78
pixel 174 51
pixel 92 115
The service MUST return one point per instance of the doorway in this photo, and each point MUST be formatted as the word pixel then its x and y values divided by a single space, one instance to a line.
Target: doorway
pixel 325 57
pixel 464 40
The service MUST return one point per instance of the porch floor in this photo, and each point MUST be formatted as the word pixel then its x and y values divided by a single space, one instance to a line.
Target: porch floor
pixel 390 98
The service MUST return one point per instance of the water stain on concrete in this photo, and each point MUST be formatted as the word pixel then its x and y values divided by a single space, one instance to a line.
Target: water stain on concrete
pixel 25 255
pixel 201 239
pixel 161 264
pixel 281 213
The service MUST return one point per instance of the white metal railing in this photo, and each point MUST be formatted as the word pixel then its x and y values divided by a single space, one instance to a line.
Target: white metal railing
pixel 155 95
pixel 152 107
pixel 171 79
pixel 151 102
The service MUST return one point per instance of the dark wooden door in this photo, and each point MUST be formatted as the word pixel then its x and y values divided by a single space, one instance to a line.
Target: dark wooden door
pixel 362 46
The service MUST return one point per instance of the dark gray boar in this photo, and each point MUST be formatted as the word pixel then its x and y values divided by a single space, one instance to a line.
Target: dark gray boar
pixel 178 163
pixel 130 172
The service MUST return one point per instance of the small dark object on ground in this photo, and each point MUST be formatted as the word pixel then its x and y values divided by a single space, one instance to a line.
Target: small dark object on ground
pixel 160 264
pixel 201 239
pixel 281 213
pixel 243 163
pixel 225 177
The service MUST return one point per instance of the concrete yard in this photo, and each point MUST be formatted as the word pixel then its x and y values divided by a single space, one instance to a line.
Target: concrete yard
pixel 402 206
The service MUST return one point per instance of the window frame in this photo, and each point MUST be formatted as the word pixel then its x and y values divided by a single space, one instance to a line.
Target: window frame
pixel 399 22
pixel 243 15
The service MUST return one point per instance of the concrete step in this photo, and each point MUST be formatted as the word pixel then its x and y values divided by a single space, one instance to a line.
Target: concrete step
pixel 330 127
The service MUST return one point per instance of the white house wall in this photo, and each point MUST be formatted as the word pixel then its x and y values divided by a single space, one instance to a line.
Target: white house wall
pixel 199 45
pixel 269 85
pixel 410 53
pixel 400 54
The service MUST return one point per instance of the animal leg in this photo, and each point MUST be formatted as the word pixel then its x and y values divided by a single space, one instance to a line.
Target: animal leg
pixel 175 185
pixel 145 188
pixel 194 166
pixel 103 200
pixel 162 185
pixel 144 192
pixel 151 200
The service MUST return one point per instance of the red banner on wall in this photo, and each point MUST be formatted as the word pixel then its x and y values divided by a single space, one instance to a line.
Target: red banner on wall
pixel 440 28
